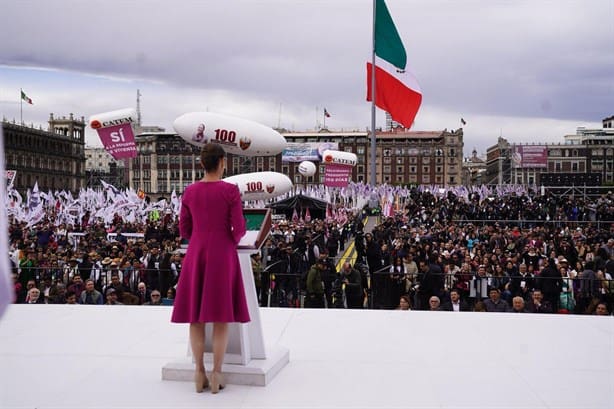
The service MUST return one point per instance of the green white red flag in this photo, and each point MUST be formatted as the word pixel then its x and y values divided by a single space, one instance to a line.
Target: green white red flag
pixel 26 98
pixel 396 89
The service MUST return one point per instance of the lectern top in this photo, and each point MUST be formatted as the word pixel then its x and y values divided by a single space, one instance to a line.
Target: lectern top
pixel 258 226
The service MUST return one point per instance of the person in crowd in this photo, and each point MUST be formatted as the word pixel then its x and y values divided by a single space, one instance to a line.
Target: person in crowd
pixel 34 296
pixel 315 287
pixel 256 260
pixel 71 297
pixel 143 294
pixel 170 297
pixel 538 304
pixel 550 283
pixel 404 303
pixel 567 302
pixel 430 281
pixel 455 304
pixel 111 296
pixel 518 304
pixel 395 282
pixel 352 282
pixel 494 302
pixel 602 309
pixel 90 295
pixel 434 303
pixel 521 283
pixel 155 298
pixel 77 285
pixel 479 306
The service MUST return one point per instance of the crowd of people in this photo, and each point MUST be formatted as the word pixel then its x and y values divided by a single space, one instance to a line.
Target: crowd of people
pixel 533 253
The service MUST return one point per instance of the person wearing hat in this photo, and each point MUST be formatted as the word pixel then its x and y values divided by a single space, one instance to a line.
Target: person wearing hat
pixel 111 296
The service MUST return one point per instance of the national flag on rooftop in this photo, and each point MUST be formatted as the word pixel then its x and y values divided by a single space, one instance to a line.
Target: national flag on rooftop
pixel 26 98
pixel 396 89
pixel 326 114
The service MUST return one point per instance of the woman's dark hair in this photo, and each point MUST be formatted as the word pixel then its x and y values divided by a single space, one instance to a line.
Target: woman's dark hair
pixel 210 156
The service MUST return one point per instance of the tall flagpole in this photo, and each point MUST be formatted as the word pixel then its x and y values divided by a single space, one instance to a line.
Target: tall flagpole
pixel 20 106
pixel 373 93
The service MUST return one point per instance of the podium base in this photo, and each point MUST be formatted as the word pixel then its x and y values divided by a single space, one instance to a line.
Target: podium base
pixel 257 372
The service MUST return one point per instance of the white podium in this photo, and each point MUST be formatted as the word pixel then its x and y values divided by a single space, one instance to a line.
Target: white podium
pixel 248 361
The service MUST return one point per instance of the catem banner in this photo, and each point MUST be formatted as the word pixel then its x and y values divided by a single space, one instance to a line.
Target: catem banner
pixel 115 132
pixel 312 151
pixel 119 141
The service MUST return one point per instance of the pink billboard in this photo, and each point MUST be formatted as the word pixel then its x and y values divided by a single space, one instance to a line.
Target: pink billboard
pixel 530 156
pixel 336 175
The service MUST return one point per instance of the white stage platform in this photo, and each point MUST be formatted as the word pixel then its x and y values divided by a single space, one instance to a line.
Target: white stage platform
pixel 111 357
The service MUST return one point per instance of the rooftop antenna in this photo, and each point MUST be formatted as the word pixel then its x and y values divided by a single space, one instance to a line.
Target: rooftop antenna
pixel 138 108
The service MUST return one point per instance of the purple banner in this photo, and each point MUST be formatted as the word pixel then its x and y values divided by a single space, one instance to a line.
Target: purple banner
pixel 336 175
pixel 530 156
pixel 118 140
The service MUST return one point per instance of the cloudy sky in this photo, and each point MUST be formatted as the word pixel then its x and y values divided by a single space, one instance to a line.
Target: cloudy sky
pixel 531 71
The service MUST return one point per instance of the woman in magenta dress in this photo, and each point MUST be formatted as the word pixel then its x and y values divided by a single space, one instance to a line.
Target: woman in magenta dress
pixel 210 287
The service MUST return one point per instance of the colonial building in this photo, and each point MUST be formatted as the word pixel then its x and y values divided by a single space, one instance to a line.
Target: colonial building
pixel 54 157
pixel 474 169
pixel 585 158
pixel 99 164
pixel 165 162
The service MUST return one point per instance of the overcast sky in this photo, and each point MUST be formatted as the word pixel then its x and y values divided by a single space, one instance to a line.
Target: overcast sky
pixel 531 71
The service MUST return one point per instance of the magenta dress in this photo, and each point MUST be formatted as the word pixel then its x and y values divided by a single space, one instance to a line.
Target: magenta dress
pixel 210 287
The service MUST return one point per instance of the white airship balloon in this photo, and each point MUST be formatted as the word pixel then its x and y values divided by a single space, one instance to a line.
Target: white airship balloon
pixel 307 168
pixel 236 135
pixel 339 157
pixel 112 118
pixel 261 185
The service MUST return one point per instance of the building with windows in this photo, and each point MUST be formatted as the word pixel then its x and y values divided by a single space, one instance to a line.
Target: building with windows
pixel 585 158
pixel 54 157
pixel 99 164
pixel 474 168
pixel 165 162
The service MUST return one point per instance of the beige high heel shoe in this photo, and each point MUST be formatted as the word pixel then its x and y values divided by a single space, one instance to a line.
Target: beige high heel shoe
pixel 200 381
pixel 217 382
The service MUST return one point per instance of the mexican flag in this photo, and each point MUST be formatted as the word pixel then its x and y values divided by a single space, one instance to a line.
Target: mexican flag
pixel 26 98
pixel 396 89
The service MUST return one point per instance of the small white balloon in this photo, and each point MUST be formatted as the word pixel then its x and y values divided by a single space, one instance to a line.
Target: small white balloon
pixel 307 168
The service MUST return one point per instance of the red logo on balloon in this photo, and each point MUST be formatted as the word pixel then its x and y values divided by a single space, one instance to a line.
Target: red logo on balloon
pixel 328 158
pixel 96 124
pixel 270 188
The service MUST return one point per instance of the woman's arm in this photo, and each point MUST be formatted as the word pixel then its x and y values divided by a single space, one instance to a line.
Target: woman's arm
pixel 185 221
pixel 237 221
